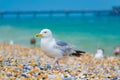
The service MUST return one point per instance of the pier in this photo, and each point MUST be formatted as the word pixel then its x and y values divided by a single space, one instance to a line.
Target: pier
pixel 115 11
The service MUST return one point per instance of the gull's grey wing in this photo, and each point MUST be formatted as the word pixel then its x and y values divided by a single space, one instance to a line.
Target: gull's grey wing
pixel 64 47
pixel 60 43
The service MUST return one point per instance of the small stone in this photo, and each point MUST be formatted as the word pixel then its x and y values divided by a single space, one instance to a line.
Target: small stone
pixel 22 78
pixel 25 70
pixel 35 70
pixel 42 75
pixel 25 75
pixel 35 75
pixel 92 75
pixel 67 70
pixel 48 66
pixel 6 63
pixel 62 76
pixel 15 74
pixel 82 76
pixel 9 74
pixel 57 67
pixel 67 79
pixel 41 68
pixel 96 72
pixel 79 77
pixel 58 78
pixel 1 58
pixel 113 79
pixel 74 78
pixel 19 69
pixel 20 66
pixel 86 79
pixel 51 76
pixel 27 67
pixel 33 63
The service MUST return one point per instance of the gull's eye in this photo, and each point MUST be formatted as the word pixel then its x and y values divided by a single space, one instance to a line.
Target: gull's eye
pixel 45 32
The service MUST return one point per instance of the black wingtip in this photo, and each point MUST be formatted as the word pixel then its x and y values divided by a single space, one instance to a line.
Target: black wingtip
pixel 78 53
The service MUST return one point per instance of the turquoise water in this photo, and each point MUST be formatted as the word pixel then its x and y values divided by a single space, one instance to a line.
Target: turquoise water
pixel 85 33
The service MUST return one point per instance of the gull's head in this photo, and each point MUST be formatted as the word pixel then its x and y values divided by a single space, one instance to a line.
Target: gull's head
pixel 100 51
pixel 45 33
pixel 99 54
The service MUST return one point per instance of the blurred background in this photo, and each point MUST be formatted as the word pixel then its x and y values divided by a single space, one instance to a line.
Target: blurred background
pixel 86 24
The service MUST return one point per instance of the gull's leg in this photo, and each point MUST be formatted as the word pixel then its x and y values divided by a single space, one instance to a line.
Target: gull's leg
pixel 55 61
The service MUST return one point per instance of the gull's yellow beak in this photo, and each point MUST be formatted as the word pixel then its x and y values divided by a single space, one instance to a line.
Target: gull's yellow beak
pixel 38 35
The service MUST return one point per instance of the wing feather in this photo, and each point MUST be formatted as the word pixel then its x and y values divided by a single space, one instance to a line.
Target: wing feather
pixel 64 47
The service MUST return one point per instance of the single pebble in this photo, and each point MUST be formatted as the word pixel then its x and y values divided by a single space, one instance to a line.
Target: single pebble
pixel 20 66
pixel 96 72
pixel 79 77
pixel 73 78
pixel 67 78
pixel 86 79
pixel 25 70
pixel 58 78
pixel 25 75
pixel 27 67
pixel 48 66
pixel 6 63
pixel 57 67
pixel 51 76
pixel 41 68
pixel 19 69
pixel 35 75
pixel 9 74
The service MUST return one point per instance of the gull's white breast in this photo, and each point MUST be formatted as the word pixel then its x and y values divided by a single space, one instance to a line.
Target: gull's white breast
pixel 48 47
pixel 99 55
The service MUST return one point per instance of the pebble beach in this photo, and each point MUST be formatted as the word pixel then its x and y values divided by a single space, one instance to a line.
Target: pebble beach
pixel 18 62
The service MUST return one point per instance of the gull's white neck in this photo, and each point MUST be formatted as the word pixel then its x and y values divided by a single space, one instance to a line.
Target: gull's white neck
pixel 47 38
pixel 45 44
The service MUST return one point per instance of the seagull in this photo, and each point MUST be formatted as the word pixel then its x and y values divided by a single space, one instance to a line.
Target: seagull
pixel 99 53
pixel 55 48
pixel 117 50
pixel 11 42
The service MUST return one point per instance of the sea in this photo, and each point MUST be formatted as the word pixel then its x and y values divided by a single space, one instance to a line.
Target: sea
pixel 83 33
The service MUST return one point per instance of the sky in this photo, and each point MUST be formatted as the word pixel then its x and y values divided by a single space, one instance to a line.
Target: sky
pixel 33 5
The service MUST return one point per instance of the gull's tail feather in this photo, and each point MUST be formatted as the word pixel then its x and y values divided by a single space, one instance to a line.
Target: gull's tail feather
pixel 78 53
